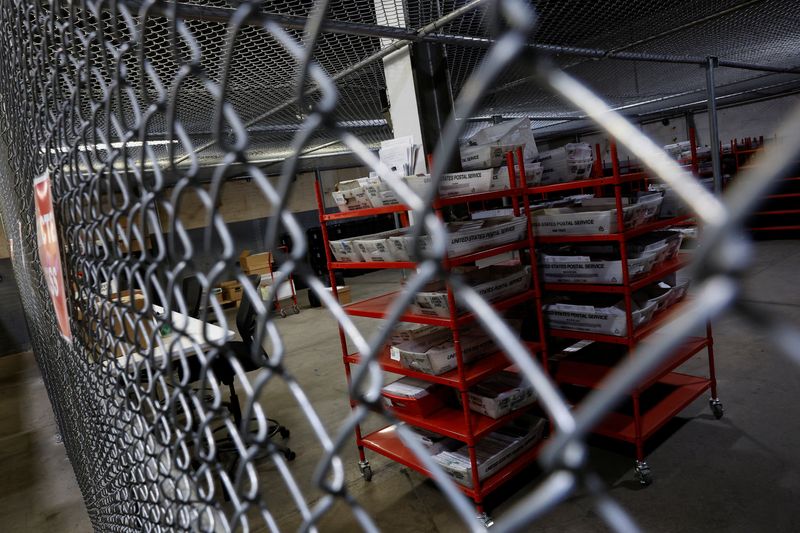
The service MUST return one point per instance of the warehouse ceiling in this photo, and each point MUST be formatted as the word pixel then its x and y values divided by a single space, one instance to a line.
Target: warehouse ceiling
pixel 261 74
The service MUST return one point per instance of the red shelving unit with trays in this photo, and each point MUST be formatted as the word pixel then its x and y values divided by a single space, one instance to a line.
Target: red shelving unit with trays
pixel 779 214
pixel 638 425
pixel 459 423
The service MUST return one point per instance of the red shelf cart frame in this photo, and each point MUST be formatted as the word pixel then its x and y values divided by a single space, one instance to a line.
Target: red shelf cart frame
pixel 470 426
pixel 638 428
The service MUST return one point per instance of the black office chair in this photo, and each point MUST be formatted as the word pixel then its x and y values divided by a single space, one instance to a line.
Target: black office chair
pixel 192 295
pixel 242 351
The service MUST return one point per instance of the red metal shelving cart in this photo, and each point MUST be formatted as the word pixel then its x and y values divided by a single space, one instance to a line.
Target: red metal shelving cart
pixel 638 426
pixel 779 214
pixel 461 424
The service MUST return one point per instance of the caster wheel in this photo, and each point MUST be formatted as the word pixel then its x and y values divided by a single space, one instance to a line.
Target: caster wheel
pixel 486 520
pixel 285 433
pixel 283 313
pixel 296 310
pixel 716 407
pixel 643 473
pixel 366 472
pixel 289 454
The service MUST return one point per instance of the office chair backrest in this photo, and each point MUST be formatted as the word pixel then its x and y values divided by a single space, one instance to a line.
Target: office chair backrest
pixel 192 295
pixel 246 315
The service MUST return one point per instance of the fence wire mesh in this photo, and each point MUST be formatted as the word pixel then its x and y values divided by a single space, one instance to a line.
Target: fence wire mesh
pixel 114 99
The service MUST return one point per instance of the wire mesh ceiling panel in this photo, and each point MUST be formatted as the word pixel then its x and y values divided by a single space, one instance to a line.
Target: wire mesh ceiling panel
pixel 159 403
pixel 755 32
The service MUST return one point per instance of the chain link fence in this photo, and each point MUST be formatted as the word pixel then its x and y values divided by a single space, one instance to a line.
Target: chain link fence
pixel 121 103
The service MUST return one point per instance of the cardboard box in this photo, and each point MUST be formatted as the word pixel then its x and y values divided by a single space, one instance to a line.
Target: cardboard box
pixel 502 137
pixel 492 283
pixel 433 442
pixel 501 181
pixel 657 295
pixel 350 195
pixel 435 353
pixel 258 271
pixel 380 197
pixel 420 184
pixel 408 331
pixel 462 183
pixel 466 237
pixel 231 290
pixel 402 246
pixel 568 163
pixel 594 217
pixel 494 451
pixel 253 263
pixel 378 191
pixel 413 397
pixel 591 270
pixel 500 394
pixel 662 294
pixel 484 156
pixel 454 184
pixel 345 251
pixel 650 205
pixel 121 230
pixel 490 233
pixel 344 294
pixel 594 317
pixel 133 329
pixel 664 245
pixel 376 247
pixel 577 221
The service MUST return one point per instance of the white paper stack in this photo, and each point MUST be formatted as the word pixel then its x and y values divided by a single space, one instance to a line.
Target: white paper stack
pixel 433 442
pixel 663 244
pixel 676 149
pixel 400 155
pixel 662 294
pixel 493 451
pixel 533 176
pixel 568 163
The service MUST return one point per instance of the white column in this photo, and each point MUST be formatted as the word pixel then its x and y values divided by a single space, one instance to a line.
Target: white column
pixel 400 87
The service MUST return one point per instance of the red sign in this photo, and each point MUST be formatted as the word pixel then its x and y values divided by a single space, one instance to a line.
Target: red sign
pixel 50 253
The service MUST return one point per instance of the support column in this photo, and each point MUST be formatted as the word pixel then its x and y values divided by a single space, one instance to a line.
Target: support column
pixel 401 89
pixel 434 94
pixel 713 125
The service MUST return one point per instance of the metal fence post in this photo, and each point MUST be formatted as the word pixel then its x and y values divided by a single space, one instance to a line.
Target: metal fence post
pixel 713 124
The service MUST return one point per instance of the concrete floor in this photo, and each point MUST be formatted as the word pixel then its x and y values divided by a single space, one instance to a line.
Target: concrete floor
pixel 741 473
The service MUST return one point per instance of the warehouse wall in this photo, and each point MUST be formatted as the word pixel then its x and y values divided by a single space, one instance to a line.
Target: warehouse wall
pixel 750 120
pixel 246 211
